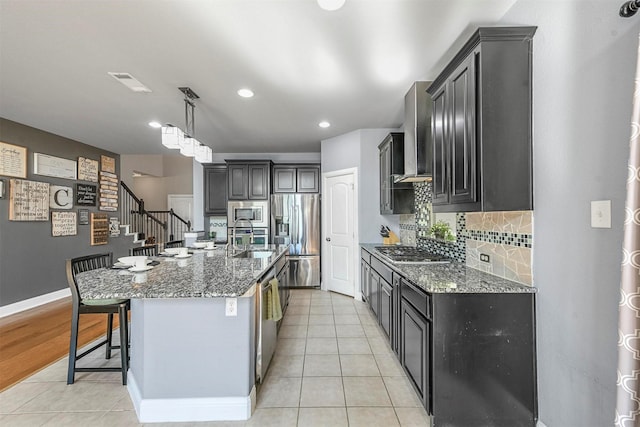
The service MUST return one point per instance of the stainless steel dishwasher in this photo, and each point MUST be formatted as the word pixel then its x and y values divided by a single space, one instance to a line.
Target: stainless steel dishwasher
pixel 267 332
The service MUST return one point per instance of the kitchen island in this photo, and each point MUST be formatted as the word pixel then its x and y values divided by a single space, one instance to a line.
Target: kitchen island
pixel 193 333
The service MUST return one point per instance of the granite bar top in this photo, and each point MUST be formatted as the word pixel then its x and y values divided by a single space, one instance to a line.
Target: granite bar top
pixel 206 274
pixel 454 277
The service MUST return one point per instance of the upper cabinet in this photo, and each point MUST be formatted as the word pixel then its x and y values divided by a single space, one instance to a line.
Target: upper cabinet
pixel 296 178
pixel 482 124
pixel 215 189
pixel 395 198
pixel 248 180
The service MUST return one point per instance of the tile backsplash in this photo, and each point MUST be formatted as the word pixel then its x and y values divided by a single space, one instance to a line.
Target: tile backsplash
pixel 506 237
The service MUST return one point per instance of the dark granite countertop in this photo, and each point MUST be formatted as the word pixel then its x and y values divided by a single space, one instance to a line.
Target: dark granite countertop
pixel 454 277
pixel 206 274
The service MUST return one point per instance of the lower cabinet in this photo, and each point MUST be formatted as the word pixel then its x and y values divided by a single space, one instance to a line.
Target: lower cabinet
pixel 470 357
pixel 386 307
pixel 415 339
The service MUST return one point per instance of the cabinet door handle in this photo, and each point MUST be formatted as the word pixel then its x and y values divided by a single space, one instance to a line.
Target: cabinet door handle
pixel 328 239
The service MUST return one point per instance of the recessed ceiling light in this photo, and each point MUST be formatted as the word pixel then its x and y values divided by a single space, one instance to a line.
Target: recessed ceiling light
pixel 155 125
pixel 245 93
pixel 331 4
pixel 324 124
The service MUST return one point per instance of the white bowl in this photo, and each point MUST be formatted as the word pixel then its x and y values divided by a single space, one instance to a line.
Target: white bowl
pixel 173 251
pixel 200 244
pixel 131 260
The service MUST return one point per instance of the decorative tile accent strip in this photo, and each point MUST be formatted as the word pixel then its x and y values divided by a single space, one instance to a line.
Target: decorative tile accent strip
pixel 512 239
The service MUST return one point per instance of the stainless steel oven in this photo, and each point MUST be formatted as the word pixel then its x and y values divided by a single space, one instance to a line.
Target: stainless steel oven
pixel 256 211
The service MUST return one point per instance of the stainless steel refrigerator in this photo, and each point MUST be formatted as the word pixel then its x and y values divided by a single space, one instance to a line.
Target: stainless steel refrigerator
pixel 295 220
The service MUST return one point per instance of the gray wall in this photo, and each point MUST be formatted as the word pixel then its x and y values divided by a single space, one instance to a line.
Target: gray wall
pixel 359 149
pixel 32 263
pixel 584 65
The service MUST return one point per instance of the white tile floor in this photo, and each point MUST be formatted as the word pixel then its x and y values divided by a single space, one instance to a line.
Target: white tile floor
pixel 332 367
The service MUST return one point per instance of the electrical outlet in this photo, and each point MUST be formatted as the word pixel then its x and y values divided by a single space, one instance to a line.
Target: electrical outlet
pixel 484 257
pixel 231 307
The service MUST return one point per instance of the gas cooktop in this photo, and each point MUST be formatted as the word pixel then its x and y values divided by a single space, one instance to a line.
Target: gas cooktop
pixel 410 255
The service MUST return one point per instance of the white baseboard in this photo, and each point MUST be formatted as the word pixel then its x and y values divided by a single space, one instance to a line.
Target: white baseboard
pixel 190 409
pixel 19 306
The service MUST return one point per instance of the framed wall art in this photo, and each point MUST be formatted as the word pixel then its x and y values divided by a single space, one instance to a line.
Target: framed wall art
pixel 57 167
pixel 64 224
pixel 87 169
pixel 13 160
pixel 28 200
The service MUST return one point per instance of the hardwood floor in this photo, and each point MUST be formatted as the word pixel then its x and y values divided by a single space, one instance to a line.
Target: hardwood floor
pixel 33 339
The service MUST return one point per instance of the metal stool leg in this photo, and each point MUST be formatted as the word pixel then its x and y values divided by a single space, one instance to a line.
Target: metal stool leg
pixel 124 342
pixel 109 335
pixel 73 345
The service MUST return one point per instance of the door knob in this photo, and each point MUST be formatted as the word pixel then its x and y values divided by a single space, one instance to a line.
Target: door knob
pixel 328 239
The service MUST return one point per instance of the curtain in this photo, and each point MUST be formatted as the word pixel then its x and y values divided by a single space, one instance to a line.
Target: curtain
pixel 628 385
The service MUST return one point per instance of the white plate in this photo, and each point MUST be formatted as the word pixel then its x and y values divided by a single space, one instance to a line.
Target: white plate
pixel 131 260
pixel 183 256
pixel 136 269
pixel 210 249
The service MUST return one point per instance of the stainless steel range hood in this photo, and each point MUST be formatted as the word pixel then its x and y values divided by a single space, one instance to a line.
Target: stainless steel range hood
pixel 418 155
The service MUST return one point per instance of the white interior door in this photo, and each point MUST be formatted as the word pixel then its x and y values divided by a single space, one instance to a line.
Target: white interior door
pixel 340 237
pixel 182 205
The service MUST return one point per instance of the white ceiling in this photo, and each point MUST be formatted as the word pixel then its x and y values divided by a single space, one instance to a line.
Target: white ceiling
pixel 351 67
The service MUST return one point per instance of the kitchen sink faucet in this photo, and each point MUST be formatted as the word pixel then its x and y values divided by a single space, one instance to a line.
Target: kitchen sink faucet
pixel 234 247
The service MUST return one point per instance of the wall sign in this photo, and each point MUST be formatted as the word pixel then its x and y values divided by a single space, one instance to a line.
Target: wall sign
pixel 28 200
pixel 114 227
pixel 60 197
pixel 83 216
pixel 99 229
pixel 86 194
pixel 108 164
pixel 87 169
pixel 63 224
pixel 57 167
pixel 108 191
pixel 13 160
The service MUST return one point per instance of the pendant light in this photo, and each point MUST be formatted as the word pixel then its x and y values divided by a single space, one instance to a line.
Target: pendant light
pixel 174 138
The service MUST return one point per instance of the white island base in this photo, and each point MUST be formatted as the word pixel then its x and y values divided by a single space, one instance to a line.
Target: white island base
pixel 190 362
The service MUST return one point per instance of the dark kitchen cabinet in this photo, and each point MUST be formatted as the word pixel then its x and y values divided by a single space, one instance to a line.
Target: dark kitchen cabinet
pixel 248 180
pixel 365 275
pixel 481 124
pixel 386 307
pixel 296 179
pixel 415 340
pixel 475 348
pixel 395 198
pixel 374 293
pixel 215 189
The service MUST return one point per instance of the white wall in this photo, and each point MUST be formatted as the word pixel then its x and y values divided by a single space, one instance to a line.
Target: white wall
pixel 359 149
pixel 584 64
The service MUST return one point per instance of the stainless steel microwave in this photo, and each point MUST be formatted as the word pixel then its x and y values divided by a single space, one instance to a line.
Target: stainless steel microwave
pixel 256 211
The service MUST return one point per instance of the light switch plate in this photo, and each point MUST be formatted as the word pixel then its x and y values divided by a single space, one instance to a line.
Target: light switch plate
pixel 601 214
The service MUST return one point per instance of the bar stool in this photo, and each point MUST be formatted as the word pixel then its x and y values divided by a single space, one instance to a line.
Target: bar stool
pixel 174 244
pixel 108 306
pixel 148 250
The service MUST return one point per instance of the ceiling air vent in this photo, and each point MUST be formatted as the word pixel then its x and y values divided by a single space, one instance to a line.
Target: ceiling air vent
pixel 129 81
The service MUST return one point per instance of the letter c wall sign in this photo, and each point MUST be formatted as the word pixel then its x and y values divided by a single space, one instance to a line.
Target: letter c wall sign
pixel 60 197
